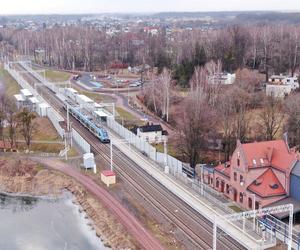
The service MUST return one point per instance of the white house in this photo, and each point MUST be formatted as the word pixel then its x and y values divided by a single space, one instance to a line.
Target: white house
pixel 150 133
pixel 279 91
pixel 281 86
pixel 284 80
pixel 222 78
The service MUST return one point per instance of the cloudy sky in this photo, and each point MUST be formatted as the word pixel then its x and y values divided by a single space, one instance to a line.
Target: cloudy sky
pixel 98 6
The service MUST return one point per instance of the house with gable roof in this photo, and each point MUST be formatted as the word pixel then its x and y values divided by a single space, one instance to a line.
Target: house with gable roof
pixel 257 175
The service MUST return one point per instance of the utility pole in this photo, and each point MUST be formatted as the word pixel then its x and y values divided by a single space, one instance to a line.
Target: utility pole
pixel 66 153
pixel 68 118
pixel 111 156
pixel 254 209
pixel 202 185
pixel 166 155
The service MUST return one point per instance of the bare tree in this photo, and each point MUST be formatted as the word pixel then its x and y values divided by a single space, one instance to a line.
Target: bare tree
pixel 27 125
pixel 2 117
pixel 12 121
pixel 165 82
pixel 292 124
pixel 195 125
pixel 271 118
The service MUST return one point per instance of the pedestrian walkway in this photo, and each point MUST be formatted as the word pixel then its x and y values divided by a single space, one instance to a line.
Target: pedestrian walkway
pixel 134 227
pixel 197 202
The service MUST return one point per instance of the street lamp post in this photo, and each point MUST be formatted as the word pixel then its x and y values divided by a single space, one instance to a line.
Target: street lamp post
pixel 166 155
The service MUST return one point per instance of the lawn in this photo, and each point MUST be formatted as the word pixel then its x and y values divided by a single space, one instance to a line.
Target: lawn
pixel 10 85
pixel 125 114
pixel 97 97
pixel 171 149
pixel 236 209
pixel 45 131
pixel 57 76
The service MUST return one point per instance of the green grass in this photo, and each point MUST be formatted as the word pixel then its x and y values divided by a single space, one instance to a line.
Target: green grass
pixel 10 85
pixel 160 148
pixel 125 114
pixel 72 152
pixel 40 167
pixel 97 97
pixel 57 76
pixel 236 209
pixel 42 147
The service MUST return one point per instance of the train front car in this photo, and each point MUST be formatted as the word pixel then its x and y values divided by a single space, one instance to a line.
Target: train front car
pixel 103 135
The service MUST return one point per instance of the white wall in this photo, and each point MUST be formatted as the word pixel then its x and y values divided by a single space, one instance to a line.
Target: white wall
pixel 150 137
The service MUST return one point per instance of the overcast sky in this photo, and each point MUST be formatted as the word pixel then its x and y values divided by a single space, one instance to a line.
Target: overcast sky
pixel 98 6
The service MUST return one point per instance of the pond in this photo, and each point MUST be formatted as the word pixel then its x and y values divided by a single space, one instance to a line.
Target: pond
pixel 42 223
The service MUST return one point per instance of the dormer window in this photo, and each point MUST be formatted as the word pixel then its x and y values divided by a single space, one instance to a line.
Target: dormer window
pixel 262 161
pixel 254 162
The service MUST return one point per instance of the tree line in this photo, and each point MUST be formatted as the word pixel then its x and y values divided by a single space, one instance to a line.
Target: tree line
pixel 14 122
pixel 270 48
pixel 232 113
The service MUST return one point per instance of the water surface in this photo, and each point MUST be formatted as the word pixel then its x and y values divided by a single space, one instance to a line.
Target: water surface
pixel 44 224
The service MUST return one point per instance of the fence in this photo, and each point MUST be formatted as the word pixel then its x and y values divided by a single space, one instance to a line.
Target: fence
pixel 82 143
pixel 175 166
pixel 53 116
pixel 49 85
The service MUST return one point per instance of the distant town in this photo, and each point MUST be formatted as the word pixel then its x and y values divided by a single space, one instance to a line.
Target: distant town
pixel 172 130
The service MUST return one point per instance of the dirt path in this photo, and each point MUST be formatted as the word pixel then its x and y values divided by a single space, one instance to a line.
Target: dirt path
pixel 134 227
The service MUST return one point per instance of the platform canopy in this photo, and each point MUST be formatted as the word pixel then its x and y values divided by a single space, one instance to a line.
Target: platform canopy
pixel 288 200
pixel 102 113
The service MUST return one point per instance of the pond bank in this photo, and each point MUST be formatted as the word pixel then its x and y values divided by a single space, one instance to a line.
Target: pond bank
pixel 23 176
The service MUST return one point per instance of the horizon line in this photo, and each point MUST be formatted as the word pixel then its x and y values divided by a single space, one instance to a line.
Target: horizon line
pixel 144 13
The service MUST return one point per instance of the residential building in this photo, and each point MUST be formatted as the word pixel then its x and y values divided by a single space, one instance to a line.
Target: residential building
pixel 279 91
pixel 222 78
pixel 281 86
pixel 284 80
pixel 258 173
pixel 150 133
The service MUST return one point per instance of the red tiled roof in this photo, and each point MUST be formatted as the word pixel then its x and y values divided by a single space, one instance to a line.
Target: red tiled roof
pixel 224 170
pixel 267 185
pixel 108 173
pixel 268 153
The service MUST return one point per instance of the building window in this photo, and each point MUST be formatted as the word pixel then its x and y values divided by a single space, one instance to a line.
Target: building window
pixel 241 197
pixel 256 205
pixel 227 188
pixel 217 184
pixel 238 162
pixel 241 178
pixel 250 203
pixel 235 176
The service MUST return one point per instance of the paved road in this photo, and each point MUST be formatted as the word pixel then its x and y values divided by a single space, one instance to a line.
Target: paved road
pixel 134 227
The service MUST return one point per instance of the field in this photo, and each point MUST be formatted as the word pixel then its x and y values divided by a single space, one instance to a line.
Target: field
pixel 170 148
pixel 56 76
pixel 45 131
pixel 10 85
pixel 97 97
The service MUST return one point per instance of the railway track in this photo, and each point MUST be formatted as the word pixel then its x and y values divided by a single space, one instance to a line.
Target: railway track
pixel 196 228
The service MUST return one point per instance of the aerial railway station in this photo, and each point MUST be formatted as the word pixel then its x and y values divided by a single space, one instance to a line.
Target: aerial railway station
pixel 260 234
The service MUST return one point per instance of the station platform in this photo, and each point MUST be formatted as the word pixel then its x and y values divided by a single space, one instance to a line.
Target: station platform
pixel 249 240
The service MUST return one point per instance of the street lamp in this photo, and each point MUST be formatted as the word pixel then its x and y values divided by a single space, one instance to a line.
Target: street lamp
pixel 166 154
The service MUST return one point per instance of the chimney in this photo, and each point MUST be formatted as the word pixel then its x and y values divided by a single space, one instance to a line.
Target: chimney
pixel 269 154
pixel 286 140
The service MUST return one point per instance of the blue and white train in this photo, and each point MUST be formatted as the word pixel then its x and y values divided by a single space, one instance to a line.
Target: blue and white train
pixel 88 123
